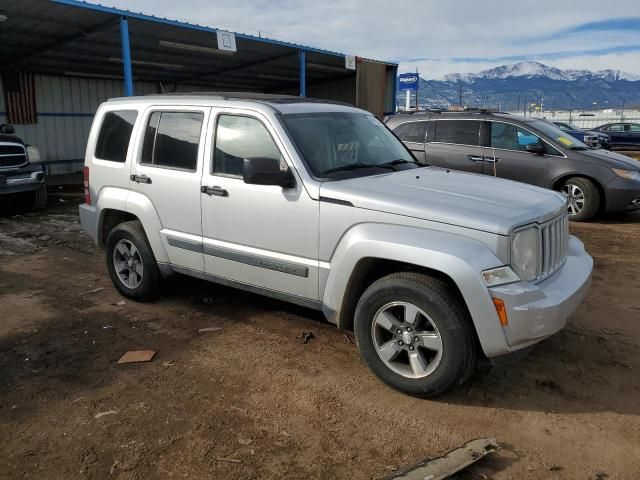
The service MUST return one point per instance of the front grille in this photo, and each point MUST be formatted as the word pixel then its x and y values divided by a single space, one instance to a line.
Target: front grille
pixel 555 242
pixel 12 155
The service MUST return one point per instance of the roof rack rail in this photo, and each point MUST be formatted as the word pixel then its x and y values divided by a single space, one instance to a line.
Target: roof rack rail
pixel 250 96
pixel 484 111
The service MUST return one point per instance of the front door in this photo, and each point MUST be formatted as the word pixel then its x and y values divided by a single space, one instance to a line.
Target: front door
pixel 619 137
pixel 506 155
pixel 259 235
pixel 166 175
pixel 456 144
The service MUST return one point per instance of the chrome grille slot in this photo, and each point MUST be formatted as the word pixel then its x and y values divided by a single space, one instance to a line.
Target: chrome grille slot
pixel 555 241
pixel 12 155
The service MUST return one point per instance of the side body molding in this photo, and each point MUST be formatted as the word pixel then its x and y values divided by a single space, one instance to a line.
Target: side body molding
pixel 462 259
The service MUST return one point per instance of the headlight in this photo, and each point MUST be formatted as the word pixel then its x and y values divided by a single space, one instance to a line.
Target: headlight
pixel 525 253
pixel 628 174
pixel 33 154
pixel 499 276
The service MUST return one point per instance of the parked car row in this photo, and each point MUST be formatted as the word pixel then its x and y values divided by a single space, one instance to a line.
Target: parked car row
pixel 591 138
pixel 623 135
pixel 611 135
pixel 525 149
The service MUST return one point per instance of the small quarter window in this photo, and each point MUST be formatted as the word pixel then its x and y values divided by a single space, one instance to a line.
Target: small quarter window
pixel 172 140
pixel 238 138
pixel 412 132
pixel 115 134
pixel 462 132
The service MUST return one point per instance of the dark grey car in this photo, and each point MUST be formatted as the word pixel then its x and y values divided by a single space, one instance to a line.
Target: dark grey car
pixel 525 149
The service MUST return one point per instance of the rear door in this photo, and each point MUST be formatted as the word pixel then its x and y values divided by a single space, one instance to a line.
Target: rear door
pixel 167 172
pixel 506 155
pixel 413 134
pixel 456 144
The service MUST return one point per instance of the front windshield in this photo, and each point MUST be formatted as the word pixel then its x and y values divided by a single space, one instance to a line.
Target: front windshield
pixel 337 141
pixel 551 130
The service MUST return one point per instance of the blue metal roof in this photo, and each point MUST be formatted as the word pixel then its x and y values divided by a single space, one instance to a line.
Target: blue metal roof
pixel 192 26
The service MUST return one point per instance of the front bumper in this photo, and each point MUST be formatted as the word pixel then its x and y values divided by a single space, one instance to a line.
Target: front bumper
pixel 622 195
pixel 25 179
pixel 537 311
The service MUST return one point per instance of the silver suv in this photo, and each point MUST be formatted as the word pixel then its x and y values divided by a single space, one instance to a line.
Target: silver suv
pixel 319 204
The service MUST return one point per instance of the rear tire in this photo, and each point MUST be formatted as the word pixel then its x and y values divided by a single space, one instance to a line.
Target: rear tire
pixel 414 332
pixel 131 263
pixel 583 197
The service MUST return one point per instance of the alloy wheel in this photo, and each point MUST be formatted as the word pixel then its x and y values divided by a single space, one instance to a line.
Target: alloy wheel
pixel 575 198
pixel 406 340
pixel 128 263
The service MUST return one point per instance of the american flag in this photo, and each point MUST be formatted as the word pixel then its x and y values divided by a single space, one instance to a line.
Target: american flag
pixel 20 97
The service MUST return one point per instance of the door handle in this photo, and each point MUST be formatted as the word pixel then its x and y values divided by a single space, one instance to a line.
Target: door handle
pixel 475 158
pixel 492 160
pixel 216 191
pixel 140 179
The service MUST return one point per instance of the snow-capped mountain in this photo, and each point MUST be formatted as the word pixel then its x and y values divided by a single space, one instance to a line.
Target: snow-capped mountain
pixel 537 69
pixel 510 86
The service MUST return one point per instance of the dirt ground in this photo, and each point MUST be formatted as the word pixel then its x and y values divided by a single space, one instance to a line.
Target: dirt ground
pixel 252 401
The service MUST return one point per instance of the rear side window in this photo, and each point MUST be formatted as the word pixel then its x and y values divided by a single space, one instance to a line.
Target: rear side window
pixel 412 131
pixel 462 132
pixel 238 138
pixel 171 140
pixel 114 136
pixel 634 127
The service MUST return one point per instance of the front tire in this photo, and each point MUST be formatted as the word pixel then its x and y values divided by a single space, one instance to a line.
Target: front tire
pixel 131 263
pixel 40 198
pixel 415 334
pixel 583 197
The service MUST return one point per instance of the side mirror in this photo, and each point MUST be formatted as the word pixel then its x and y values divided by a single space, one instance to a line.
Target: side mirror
pixel 536 148
pixel 7 129
pixel 266 171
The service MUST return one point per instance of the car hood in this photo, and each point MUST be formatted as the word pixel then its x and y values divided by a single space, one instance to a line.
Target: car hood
pixel 582 133
pixel 10 138
pixel 612 159
pixel 459 198
pixel 596 133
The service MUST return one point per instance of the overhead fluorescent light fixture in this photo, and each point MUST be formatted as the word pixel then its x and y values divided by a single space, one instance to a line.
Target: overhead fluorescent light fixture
pixel 3 18
pixel 268 76
pixel 144 63
pixel 194 48
pixel 94 75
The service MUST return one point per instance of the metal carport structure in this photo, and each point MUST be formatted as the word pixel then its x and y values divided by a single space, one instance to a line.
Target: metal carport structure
pixel 82 53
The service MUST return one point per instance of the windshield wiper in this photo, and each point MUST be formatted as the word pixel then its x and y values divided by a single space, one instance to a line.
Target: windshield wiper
pixel 355 166
pixel 400 161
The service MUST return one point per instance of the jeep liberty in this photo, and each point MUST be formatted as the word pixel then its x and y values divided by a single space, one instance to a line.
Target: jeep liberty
pixel 319 204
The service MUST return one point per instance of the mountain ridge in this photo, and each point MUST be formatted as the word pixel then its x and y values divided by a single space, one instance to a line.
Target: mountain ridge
pixel 511 87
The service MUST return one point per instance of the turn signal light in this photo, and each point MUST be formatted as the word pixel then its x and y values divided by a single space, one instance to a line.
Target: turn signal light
pixel 502 311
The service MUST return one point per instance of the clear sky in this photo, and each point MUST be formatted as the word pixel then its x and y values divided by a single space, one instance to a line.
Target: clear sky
pixel 437 36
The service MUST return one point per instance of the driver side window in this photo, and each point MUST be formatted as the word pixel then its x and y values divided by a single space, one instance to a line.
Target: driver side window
pixel 237 138
pixel 510 137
